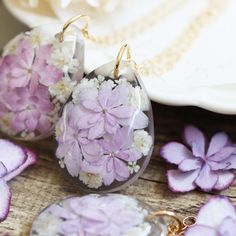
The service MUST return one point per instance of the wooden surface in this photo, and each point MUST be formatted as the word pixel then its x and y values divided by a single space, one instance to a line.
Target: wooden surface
pixel 43 184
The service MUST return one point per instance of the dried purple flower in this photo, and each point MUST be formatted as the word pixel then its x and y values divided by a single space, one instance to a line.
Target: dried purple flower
pixel 216 218
pixel 205 166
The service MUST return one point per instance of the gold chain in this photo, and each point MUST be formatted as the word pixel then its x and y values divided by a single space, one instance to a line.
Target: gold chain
pixel 168 58
pixel 137 27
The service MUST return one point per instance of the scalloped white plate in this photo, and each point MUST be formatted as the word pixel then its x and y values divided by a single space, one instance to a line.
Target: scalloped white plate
pixel 205 76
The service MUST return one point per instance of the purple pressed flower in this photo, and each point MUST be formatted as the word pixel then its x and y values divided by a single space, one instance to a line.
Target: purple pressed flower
pixel 93 215
pixel 29 66
pixel 30 109
pixel 208 167
pixel 104 110
pixel 73 143
pixel 117 152
pixel 216 218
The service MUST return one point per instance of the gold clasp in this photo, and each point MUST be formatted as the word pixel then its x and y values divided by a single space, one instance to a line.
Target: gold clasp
pixel 119 58
pixel 180 224
pixel 84 30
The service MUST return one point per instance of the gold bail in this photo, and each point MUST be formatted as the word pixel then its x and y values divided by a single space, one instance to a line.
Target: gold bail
pixel 119 58
pixel 71 21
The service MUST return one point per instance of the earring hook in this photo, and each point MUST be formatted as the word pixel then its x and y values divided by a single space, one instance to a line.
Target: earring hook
pixel 119 58
pixel 71 21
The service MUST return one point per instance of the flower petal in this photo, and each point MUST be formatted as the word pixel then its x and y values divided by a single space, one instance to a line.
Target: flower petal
pixel 195 139
pixel 140 120
pixel 175 153
pixel 218 141
pixel 228 227
pixel 11 155
pixel 182 181
pixel 31 160
pixel 207 179
pixel 5 199
pixel 3 170
pixel 215 211
pixel 225 179
pixel 223 154
pixel 190 164
pixel 203 230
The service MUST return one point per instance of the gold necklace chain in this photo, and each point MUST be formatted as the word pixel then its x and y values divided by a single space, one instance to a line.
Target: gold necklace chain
pixel 166 60
pixel 137 27
pixel 169 57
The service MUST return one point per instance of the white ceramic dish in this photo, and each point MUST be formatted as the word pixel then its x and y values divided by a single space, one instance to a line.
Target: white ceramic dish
pixel 206 74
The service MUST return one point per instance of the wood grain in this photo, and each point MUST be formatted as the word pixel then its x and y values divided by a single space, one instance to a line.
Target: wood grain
pixel 43 184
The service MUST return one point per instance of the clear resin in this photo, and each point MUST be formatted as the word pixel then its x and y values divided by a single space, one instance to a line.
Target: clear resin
pixel 98 215
pixel 105 134
pixel 37 75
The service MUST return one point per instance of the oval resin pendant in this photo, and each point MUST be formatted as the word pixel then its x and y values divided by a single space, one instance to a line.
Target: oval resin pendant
pixel 105 134
pixel 37 74
pixel 99 215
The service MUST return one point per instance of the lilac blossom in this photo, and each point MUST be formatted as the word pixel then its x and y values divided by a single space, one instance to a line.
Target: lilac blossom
pixel 104 110
pixel 29 66
pixel 216 218
pixel 30 109
pixel 205 166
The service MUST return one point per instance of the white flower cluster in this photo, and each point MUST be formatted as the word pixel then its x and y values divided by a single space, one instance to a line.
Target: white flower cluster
pixel 62 89
pixel 142 141
pixel 91 180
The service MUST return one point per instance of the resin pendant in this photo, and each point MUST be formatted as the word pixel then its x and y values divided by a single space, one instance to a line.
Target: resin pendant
pixel 105 134
pixel 37 74
pixel 99 215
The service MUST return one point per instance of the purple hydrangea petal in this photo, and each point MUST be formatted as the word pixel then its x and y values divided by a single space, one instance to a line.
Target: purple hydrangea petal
pixel 218 141
pixel 231 161
pixel 175 153
pixel 207 179
pixel 228 227
pixel 225 179
pixel 182 181
pixel 5 199
pixel 190 164
pixel 215 211
pixel 140 120
pixel 195 139
pixel 222 154
pixel 197 230
pixel 3 169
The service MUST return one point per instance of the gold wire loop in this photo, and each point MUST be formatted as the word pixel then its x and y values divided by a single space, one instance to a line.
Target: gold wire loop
pixel 119 58
pixel 71 21
pixel 173 229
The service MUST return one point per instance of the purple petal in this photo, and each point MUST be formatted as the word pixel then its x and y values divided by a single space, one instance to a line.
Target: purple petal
pixel 195 139
pixel 122 112
pixel 202 230
pixel 121 169
pixel 225 179
pixel 175 153
pixel 182 181
pixel 5 199
pixel 190 164
pixel 73 163
pixel 140 120
pixel 218 141
pixel 11 155
pixel 96 131
pixel 31 160
pixel 231 161
pixel 228 227
pixel 104 94
pixel 3 170
pixel 223 154
pixel 88 94
pixel 215 211
pixel 207 179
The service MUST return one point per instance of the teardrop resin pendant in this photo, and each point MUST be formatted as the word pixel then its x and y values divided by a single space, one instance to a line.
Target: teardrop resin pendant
pixel 37 74
pixel 98 215
pixel 105 134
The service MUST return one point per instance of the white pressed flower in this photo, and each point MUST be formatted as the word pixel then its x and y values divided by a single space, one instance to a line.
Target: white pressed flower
pixel 141 230
pixel 138 98
pixel 62 89
pixel 133 167
pixel 46 224
pixel 39 37
pixel 91 180
pixel 84 83
pixel 142 141
pixel 62 57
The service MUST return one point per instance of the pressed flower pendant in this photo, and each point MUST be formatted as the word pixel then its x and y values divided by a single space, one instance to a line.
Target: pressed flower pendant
pixel 38 70
pixel 97 215
pixel 105 134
